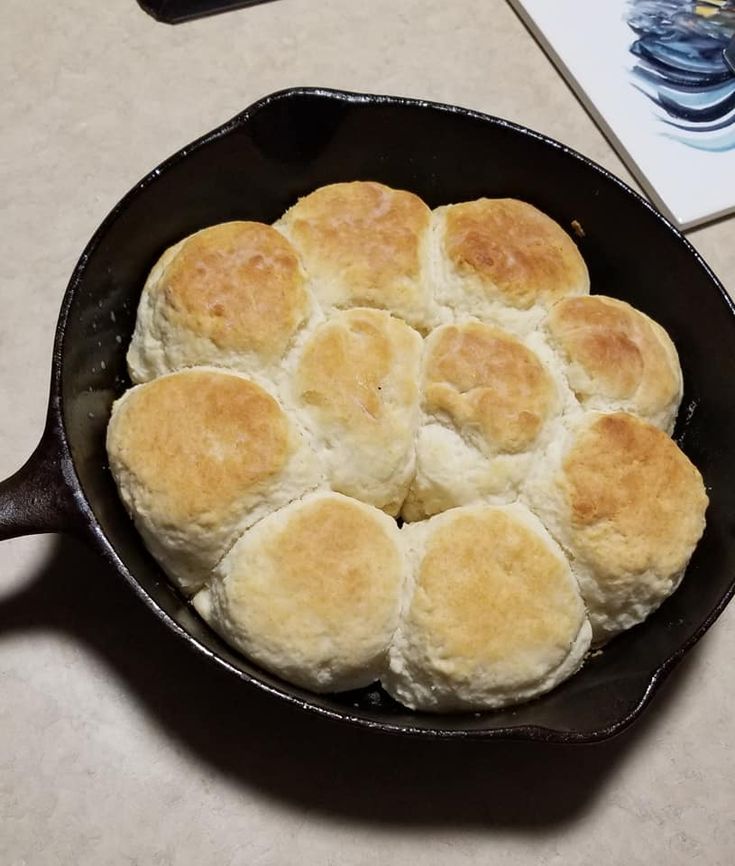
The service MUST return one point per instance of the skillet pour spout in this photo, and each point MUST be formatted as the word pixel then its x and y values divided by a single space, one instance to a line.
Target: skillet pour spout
pixel 253 168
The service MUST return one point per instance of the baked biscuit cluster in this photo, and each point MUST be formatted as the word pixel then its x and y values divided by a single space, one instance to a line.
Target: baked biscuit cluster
pixel 302 385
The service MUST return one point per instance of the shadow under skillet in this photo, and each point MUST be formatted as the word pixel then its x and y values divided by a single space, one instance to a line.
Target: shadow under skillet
pixel 309 762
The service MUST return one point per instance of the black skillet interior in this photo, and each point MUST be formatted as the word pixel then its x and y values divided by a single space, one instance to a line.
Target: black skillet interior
pixel 288 144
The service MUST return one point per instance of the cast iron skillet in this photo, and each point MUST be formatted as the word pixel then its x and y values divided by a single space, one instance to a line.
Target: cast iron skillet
pixel 254 167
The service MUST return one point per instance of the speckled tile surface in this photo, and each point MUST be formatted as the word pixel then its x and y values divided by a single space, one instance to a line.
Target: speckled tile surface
pixel 117 745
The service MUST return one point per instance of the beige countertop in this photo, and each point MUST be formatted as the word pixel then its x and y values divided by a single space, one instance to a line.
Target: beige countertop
pixel 117 745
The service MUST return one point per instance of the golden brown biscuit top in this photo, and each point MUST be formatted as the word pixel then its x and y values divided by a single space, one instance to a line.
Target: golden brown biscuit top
pixel 240 284
pixel 354 364
pixel 331 559
pixel 489 590
pixel 366 234
pixel 618 346
pixel 483 377
pixel 636 501
pixel 514 250
pixel 197 440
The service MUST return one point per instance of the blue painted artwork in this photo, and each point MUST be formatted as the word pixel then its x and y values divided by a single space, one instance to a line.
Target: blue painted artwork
pixel 680 65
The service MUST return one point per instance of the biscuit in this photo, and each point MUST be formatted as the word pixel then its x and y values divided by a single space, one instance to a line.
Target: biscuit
pixel 492 616
pixel 355 384
pixel 364 244
pixel 312 593
pixel 629 508
pixel 198 456
pixel 504 262
pixel 487 403
pixel 233 295
pixel 615 358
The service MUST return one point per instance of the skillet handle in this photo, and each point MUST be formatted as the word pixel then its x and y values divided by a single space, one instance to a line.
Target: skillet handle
pixel 38 497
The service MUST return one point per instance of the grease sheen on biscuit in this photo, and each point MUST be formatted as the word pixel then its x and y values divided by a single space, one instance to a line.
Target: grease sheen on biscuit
pixel 615 357
pixel 356 384
pixel 312 592
pixel 493 614
pixel 232 295
pixel 487 400
pixel 364 244
pixel 199 455
pixel 504 261
pixel 628 506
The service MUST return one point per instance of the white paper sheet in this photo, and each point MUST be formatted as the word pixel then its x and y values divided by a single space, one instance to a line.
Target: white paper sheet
pixel 687 164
